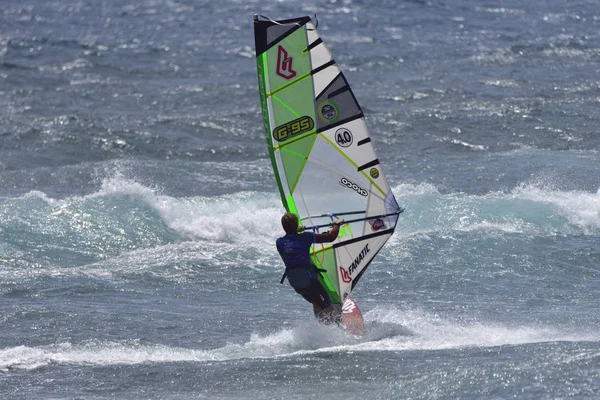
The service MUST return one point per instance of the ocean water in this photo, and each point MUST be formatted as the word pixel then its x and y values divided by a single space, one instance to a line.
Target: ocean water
pixel 138 210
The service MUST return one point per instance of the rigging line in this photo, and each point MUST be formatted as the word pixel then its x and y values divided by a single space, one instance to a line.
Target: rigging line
pixel 277 22
pixel 325 248
pixel 302 156
pixel 320 262
pixel 316 24
pixel 286 106
pixel 293 188
pixel 364 237
pixel 400 211
pixel 301 77
pixel 336 214
pixel 304 76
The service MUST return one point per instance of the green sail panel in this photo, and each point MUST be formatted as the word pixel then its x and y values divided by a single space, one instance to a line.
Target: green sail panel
pixel 321 152
pixel 294 157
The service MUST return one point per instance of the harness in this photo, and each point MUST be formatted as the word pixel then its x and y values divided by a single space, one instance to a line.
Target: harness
pixel 304 267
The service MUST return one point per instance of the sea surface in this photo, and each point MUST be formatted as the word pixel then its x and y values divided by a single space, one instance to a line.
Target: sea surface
pixel 138 209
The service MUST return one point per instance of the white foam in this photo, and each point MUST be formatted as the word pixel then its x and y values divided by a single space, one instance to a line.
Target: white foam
pixel 432 332
pixel 514 226
pixel 119 185
pixel 35 194
pixel 501 82
pixel 252 218
pixel 581 209
pixel 499 211
pixel 95 353
pixel 239 217
pixel 387 330
pixel 408 189
pixel 470 146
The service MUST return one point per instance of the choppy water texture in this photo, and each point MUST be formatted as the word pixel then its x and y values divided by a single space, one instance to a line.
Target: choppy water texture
pixel 138 211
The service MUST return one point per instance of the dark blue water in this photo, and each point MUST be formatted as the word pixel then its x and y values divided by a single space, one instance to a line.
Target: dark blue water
pixel 138 210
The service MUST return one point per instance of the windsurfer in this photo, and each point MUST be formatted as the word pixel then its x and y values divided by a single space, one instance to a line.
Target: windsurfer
pixel 302 274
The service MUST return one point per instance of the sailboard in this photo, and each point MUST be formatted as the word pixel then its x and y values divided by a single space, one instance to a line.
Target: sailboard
pixel 321 152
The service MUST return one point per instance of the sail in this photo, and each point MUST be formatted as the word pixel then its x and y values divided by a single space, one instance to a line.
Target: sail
pixel 320 149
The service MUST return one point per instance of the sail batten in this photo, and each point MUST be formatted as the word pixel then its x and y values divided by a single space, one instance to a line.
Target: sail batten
pixel 320 149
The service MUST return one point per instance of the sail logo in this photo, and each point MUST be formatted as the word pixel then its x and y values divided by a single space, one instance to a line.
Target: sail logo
pixel 377 224
pixel 293 128
pixel 343 137
pixel 359 259
pixel 328 112
pixel 284 64
pixel 354 186
pixel 348 307
pixel 345 275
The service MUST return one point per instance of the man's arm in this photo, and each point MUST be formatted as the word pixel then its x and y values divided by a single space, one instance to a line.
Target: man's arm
pixel 331 235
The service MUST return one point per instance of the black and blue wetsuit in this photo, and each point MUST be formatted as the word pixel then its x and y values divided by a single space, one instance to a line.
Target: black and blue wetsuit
pixel 302 274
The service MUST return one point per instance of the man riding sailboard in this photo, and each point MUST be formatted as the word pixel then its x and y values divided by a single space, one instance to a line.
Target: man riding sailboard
pixel 328 175
pixel 301 273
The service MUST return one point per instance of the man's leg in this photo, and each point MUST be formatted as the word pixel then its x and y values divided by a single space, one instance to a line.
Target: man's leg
pixel 325 316
pixel 326 312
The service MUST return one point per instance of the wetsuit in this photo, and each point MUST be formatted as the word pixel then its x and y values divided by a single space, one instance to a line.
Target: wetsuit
pixel 302 274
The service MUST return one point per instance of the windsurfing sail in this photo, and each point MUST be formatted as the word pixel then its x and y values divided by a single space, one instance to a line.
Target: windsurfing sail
pixel 321 152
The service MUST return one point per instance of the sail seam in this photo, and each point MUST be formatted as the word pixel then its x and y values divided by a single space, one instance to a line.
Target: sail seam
pixel 328 85
pixel 339 91
pixel 287 85
pixel 369 164
pixel 341 122
pixel 366 237
pixel 313 45
pixel 286 106
pixel 322 67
